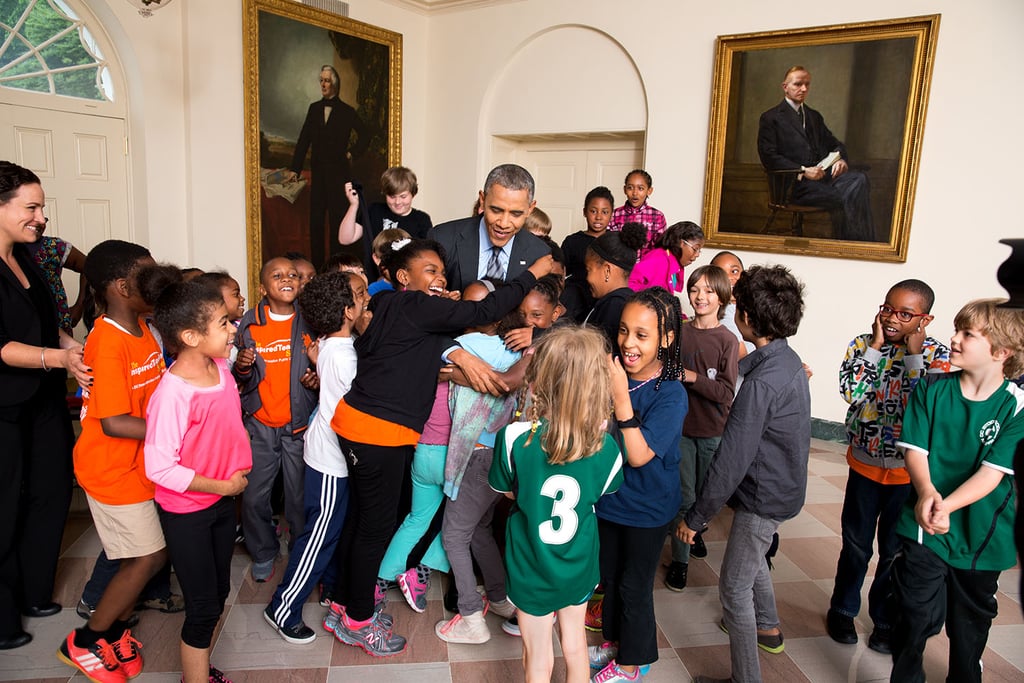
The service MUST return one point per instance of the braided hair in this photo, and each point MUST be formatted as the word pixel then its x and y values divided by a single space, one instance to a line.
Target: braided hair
pixel 670 317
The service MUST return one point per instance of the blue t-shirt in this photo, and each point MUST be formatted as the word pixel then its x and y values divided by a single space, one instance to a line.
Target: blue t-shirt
pixel 650 495
pixel 491 349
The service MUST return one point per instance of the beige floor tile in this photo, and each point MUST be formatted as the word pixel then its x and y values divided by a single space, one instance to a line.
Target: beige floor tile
pixel 248 642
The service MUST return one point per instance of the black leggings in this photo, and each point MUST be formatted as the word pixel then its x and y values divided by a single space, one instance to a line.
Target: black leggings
pixel 201 544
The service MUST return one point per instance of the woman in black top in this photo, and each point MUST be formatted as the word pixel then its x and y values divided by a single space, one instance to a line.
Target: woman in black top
pixel 35 428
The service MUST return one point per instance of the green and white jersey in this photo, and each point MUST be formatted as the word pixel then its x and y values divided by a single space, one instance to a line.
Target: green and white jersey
pixel 551 550
pixel 959 436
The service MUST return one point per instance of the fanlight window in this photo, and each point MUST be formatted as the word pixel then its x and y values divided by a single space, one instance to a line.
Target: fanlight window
pixel 46 48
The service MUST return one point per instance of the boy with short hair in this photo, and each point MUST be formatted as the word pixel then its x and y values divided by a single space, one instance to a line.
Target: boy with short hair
pixel 399 186
pixel 271 370
pixel 876 378
pixel 760 468
pixel 598 207
pixel 538 222
pixel 959 434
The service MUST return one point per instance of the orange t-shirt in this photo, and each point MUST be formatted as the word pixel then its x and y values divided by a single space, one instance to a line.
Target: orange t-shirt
pixel 274 345
pixel 126 370
pixel 355 425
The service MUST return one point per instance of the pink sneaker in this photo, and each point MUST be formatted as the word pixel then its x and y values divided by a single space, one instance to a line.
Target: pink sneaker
pixel 414 583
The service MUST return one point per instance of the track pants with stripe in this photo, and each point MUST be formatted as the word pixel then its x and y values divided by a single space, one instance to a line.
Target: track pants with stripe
pixel 326 502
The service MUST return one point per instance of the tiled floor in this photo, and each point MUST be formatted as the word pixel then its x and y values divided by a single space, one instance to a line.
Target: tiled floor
pixel 689 639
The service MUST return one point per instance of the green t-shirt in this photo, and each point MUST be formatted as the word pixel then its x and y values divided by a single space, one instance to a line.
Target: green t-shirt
pixel 551 550
pixel 959 436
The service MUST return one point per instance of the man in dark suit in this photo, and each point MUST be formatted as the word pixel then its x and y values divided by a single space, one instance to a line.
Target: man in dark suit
pixel 328 126
pixel 793 136
pixel 494 244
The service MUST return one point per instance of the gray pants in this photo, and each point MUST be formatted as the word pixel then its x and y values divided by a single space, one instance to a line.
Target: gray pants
pixel 273 448
pixel 466 533
pixel 745 589
pixel 697 453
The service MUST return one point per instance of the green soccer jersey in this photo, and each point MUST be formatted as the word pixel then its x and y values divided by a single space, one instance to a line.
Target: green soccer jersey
pixel 551 545
pixel 959 436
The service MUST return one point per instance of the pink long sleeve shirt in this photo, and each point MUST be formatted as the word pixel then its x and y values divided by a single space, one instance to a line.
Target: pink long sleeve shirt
pixel 194 430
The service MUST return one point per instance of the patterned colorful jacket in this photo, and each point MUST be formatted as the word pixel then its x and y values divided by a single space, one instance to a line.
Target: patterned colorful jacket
pixel 877 385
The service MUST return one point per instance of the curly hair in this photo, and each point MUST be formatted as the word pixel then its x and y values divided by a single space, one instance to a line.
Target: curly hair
pixel 670 319
pixel 111 260
pixel 772 299
pixel 394 261
pixel 549 287
pixel 184 306
pixel 324 300
pixel 12 177
pixel 1003 327
pixel 570 385
pixel 717 280
pixel 151 281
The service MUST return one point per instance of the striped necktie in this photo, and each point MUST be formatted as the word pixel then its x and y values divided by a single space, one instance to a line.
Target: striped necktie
pixel 494 269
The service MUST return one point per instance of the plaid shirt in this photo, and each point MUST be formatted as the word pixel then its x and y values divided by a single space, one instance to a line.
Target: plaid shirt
pixel 646 215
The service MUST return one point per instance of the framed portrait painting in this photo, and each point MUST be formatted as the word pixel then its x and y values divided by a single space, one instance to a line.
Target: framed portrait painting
pixel 322 108
pixel 815 138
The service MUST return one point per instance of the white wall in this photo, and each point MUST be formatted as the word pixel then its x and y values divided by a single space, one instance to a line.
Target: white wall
pixel 953 244
pixel 187 114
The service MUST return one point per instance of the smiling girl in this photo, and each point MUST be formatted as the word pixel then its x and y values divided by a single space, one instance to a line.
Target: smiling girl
pixel 399 354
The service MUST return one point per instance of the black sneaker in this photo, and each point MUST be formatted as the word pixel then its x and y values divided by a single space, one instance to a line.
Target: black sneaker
pixel 300 634
pixel 675 577
pixel 879 641
pixel 698 549
pixel 840 628
pixel 85 611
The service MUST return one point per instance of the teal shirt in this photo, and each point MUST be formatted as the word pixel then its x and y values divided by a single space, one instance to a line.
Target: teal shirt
pixel 959 436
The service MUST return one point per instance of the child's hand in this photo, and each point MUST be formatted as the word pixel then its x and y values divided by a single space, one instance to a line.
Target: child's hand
pixel 928 510
pixel 454 295
pixel 519 338
pixel 313 351
pixel 877 336
pixel 620 382
pixel 915 339
pixel 542 266
pixel 685 533
pixel 310 380
pixel 245 359
pixel 351 194
pixel 237 483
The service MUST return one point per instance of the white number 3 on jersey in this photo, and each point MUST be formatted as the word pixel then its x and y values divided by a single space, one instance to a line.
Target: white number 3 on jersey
pixel 565 492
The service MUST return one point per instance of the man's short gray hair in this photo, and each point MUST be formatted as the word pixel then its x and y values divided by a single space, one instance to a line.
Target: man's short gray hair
pixel 511 177
pixel 335 78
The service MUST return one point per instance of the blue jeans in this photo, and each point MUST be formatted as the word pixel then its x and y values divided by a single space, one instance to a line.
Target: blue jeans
pixel 697 453
pixel 746 592
pixel 158 588
pixel 868 506
pixel 427 495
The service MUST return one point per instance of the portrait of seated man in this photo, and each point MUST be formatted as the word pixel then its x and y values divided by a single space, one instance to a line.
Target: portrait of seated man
pixel 793 136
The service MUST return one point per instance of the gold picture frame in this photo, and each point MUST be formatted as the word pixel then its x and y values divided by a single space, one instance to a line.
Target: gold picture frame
pixel 870 83
pixel 285 45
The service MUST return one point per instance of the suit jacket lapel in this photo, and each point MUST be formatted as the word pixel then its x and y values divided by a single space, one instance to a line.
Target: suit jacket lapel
pixel 793 118
pixel 467 251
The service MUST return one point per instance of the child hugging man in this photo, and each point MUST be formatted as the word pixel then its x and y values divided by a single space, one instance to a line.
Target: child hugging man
pixel 876 378
pixel 959 434
pixel 272 371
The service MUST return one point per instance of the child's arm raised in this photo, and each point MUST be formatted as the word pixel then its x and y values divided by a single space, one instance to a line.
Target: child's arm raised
pixel 349 231
pixel 638 452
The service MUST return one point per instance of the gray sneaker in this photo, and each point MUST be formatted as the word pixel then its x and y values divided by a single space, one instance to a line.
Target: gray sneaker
pixel 374 637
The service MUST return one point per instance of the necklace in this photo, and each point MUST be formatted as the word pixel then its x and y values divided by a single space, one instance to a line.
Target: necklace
pixel 646 381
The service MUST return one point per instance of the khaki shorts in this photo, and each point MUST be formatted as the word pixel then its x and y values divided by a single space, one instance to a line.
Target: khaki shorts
pixel 127 530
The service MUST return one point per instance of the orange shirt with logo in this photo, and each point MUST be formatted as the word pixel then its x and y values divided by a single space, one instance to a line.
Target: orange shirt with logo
pixel 274 345
pixel 126 370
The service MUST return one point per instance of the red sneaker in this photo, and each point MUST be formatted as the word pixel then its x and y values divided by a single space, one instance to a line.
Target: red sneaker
pixel 127 650
pixel 97 661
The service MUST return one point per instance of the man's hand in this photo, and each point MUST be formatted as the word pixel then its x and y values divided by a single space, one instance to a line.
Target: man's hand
pixel 814 173
pixel 290 176
pixel 481 376
pixel 839 168
pixel 519 339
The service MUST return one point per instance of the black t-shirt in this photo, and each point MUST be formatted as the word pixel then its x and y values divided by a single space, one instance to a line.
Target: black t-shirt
pixel 417 223
pixel 575 249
